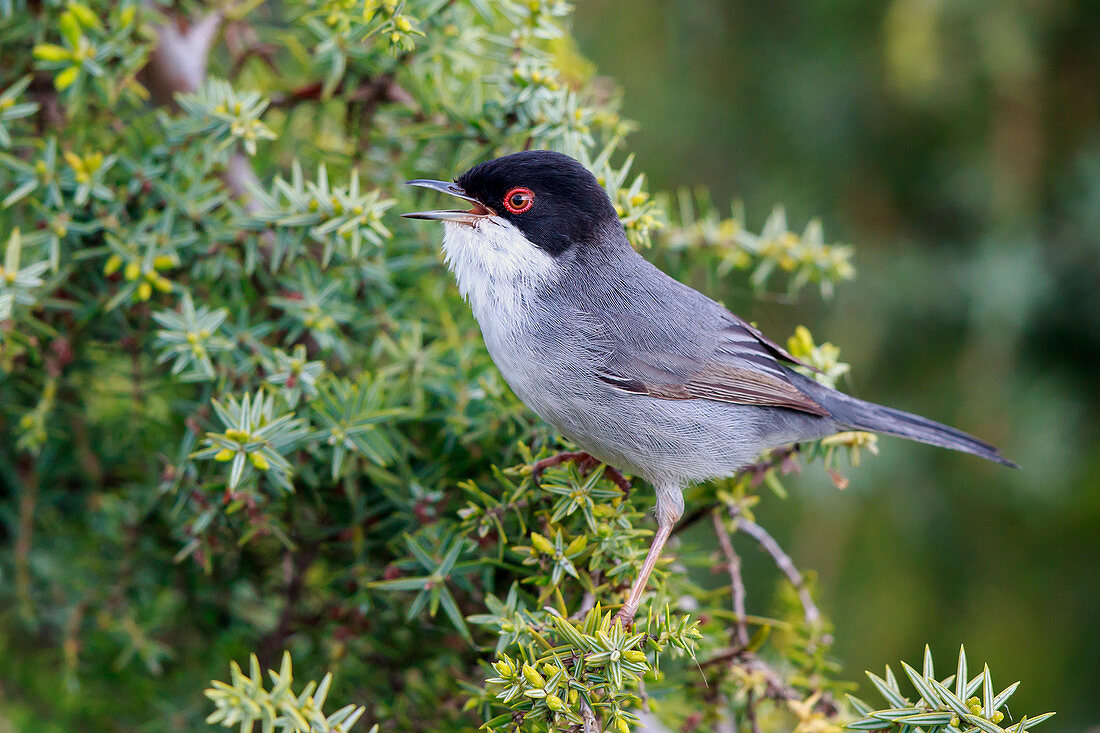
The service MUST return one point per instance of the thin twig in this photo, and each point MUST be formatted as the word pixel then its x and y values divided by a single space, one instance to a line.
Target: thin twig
pixel 28 502
pixel 590 724
pixel 781 459
pixel 588 602
pixel 737 583
pixel 295 566
pixel 775 687
pixel 750 712
pixel 782 561
pixel 585 463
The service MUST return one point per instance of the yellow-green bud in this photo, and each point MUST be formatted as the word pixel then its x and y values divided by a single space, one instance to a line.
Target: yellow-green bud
pixel 111 266
pixel 532 676
pixel 65 79
pixel 70 28
pixel 84 14
pixel 224 455
pixel 542 544
pixel 554 703
pixel 132 271
pixel 577 545
pixel 259 461
pixel 51 52
pixel 144 291
pixel 402 23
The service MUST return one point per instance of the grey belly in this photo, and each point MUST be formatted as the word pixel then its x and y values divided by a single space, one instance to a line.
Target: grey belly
pixel 666 442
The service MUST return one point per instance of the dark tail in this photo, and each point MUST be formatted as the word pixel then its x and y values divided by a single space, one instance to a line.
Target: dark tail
pixel 860 415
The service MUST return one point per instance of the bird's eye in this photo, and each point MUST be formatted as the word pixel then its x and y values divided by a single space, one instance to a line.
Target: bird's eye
pixel 519 200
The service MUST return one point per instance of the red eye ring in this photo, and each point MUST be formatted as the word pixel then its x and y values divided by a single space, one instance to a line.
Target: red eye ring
pixel 519 200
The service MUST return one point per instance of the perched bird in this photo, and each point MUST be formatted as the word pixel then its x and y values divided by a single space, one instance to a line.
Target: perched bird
pixel 642 372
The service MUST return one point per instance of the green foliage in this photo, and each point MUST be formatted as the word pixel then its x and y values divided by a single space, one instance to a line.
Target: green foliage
pixel 11 110
pixel 939 708
pixel 806 257
pixel 243 702
pixel 244 408
pixel 587 668
pixel 18 283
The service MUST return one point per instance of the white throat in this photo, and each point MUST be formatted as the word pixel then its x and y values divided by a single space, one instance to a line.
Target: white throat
pixel 497 268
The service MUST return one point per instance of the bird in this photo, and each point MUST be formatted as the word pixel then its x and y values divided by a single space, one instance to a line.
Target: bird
pixel 640 371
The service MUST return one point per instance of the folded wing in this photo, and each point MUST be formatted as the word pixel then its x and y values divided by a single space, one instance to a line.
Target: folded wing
pixel 735 363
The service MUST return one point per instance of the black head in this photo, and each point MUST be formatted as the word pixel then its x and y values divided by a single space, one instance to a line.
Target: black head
pixel 554 200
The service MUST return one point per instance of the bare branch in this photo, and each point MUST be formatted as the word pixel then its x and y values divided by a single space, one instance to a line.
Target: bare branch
pixel 775 687
pixel 590 724
pixel 28 502
pixel 737 583
pixel 750 712
pixel 782 561
pixel 178 63
pixel 588 602
pixel 240 178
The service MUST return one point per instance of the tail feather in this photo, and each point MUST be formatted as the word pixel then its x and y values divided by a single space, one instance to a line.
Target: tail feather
pixel 859 415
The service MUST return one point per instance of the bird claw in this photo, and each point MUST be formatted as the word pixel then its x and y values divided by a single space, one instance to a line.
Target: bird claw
pixel 585 463
pixel 624 618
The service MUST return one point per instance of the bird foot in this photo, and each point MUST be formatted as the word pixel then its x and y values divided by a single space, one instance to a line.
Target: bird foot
pixel 626 618
pixel 585 464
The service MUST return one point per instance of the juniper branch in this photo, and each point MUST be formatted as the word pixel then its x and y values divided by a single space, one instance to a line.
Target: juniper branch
pixel 737 583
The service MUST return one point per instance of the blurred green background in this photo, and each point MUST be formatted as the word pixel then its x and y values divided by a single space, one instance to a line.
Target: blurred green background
pixel 957 145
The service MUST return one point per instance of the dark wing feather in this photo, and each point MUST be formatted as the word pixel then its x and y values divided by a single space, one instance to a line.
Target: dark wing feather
pixel 773 348
pixel 656 336
pixel 740 368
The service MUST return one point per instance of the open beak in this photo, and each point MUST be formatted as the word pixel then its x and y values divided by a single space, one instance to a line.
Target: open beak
pixel 466 217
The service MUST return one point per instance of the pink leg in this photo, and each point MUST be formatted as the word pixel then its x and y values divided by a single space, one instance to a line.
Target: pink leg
pixel 626 613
